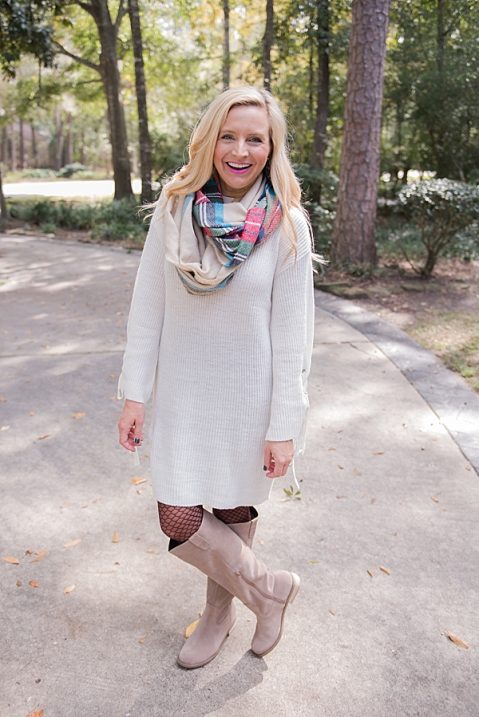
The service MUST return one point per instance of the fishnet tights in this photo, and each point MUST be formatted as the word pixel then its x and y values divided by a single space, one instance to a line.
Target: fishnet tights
pixel 180 522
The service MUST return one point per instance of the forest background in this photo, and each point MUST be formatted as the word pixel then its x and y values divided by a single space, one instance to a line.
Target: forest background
pixel 382 101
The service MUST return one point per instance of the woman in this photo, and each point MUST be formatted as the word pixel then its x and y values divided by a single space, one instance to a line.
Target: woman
pixel 221 331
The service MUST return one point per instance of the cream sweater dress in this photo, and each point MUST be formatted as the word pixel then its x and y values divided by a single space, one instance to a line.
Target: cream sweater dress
pixel 227 370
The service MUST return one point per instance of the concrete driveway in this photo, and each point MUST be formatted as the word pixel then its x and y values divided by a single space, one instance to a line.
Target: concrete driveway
pixel 385 535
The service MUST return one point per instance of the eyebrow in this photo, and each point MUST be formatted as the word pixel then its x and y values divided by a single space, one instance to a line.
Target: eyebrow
pixel 259 133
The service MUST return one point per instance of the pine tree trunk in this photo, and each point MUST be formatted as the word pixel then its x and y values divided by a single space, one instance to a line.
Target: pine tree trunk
pixel 268 39
pixel 116 115
pixel 21 144
pixel 226 44
pixel 3 204
pixel 322 98
pixel 143 132
pixel 33 145
pixel 3 146
pixel 353 234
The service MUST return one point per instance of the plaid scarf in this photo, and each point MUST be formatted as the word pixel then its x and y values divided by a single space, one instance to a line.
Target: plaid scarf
pixel 232 229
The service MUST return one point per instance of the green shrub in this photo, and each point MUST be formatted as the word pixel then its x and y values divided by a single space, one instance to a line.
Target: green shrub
pixel 70 169
pixel 440 209
pixel 319 186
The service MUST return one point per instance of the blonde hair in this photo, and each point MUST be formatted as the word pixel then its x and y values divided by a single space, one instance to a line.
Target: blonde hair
pixel 193 175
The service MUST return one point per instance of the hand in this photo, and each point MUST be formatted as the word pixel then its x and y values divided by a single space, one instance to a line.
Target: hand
pixel 130 425
pixel 277 457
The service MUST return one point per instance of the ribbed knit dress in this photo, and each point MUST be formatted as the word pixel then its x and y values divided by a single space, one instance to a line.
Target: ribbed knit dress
pixel 228 370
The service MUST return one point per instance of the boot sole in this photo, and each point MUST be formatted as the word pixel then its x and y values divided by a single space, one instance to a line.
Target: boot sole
pixel 212 657
pixel 292 594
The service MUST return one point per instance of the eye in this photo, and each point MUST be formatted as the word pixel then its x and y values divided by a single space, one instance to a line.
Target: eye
pixel 226 135
pixel 257 140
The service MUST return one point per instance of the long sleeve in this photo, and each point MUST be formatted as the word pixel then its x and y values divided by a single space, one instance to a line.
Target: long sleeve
pixel 145 320
pixel 292 331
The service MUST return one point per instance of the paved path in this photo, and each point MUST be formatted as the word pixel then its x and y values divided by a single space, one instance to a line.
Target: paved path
pixel 91 189
pixel 383 484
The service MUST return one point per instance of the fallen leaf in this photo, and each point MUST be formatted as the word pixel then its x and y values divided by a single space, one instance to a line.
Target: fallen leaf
pixel 191 628
pixel 331 449
pixel 435 498
pixel 141 640
pixel 139 492
pixel 33 583
pixel 40 555
pixel 457 641
pixel 36 713
pixel 11 560
pixel 313 562
pixel 69 589
pixel 42 438
pixel 370 572
pixel 18 583
pixel 332 612
pixel 28 551
pixel 31 413
pixel 385 570
pixel 137 480
pixel 115 538
pixel 378 453
pixel 72 543
pixel 341 468
pixel 78 414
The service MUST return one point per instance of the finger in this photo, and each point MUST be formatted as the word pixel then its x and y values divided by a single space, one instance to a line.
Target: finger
pixel 124 436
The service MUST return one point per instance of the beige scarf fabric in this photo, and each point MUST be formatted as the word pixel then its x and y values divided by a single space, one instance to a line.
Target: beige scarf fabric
pixel 186 246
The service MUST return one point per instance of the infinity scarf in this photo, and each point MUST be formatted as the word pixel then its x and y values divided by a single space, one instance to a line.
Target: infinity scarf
pixel 216 237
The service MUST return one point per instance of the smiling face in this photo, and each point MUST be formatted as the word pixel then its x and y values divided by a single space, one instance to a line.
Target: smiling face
pixel 242 149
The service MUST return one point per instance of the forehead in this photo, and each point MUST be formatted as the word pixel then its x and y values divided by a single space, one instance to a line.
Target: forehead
pixel 248 118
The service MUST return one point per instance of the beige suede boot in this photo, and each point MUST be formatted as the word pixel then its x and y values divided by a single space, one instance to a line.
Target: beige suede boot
pixel 219 615
pixel 220 554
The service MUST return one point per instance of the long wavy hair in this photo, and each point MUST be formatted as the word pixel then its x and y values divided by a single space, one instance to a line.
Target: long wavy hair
pixel 193 175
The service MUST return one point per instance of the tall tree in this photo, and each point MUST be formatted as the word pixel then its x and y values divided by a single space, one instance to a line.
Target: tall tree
pixel 323 43
pixel 353 234
pixel 268 39
pixel 226 44
pixel 108 68
pixel 143 132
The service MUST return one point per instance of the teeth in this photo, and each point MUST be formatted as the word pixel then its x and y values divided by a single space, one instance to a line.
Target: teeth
pixel 237 166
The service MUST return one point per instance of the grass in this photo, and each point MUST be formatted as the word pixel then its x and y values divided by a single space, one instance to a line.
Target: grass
pixel 454 337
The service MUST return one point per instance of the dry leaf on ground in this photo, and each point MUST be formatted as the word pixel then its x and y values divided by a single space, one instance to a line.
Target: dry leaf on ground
pixel 11 560
pixel 42 438
pixel 33 583
pixel 40 555
pixel 69 589
pixel 31 413
pixel 385 570
pixel 78 414
pixel 435 498
pixel 137 480
pixel 332 612
pixel 378 453
pixel 370 572
pixel 71 543
pixel 115 538
pixel 18 583
pixel 141 640
pixel 457 641
pixel 191 628
pixel 36 713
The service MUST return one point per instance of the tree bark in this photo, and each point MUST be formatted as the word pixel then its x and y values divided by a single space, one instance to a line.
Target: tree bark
pixel 353 234
pixel 3 146
pixel 143 132
pixel 3 204
pixel 226 44
pixel 33 145
pixel 268 39
pixel 322 95
pixel 21 144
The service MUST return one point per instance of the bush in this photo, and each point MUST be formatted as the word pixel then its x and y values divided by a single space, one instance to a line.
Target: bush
pixel 111 221
pixel 440 209
pixel 70 169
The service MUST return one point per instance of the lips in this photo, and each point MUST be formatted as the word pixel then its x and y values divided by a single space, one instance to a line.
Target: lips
pixel 237 167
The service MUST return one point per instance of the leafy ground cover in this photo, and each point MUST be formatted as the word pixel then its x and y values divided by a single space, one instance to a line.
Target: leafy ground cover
pixel 441 314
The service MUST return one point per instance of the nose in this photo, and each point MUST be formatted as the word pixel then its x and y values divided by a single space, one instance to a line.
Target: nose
pixel 240 149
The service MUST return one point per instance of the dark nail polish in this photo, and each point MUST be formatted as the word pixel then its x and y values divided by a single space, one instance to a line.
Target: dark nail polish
pixel 264 468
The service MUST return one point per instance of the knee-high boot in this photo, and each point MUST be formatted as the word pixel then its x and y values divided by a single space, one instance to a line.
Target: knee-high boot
pixel 218 552
pixel 219 615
